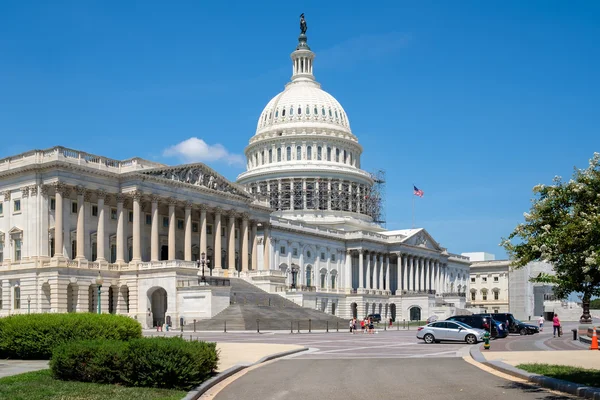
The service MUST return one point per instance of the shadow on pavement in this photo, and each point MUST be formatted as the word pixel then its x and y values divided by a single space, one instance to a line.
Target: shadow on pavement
pixel 544 394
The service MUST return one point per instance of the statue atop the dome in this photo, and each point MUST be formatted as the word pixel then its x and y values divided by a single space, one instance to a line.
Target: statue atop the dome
pixel 303 26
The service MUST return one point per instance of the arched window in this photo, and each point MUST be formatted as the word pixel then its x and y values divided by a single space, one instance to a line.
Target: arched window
pixel 283 112
pixel 323 111
pixel 309 153
pixel 299 153
pixel 307 110
pixel 289 153
pixel 351 159
pixel 330 112
pixel 279 154
pixel 299 110
pixel 316 112
pixel 337 155
pixel 270 114
pixel 329 154
pixel 291 110
pixel 319 149
pixel 276 113
pixel 345 157
pixel 336 114
pixel 270 156
pixel 263 158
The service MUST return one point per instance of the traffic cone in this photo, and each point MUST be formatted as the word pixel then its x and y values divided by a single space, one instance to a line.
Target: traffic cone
pixel 594 345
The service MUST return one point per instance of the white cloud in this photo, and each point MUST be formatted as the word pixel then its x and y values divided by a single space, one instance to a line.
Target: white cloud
pixel 197 150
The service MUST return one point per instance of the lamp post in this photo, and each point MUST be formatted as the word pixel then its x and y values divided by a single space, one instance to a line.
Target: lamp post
pixel 99 282
pixel 202 261
pixel 28 304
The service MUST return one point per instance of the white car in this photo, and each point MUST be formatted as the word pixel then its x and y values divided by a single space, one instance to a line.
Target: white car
pixel 449 331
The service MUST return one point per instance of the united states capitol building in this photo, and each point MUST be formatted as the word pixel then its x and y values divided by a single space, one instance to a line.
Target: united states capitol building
pixel 140 237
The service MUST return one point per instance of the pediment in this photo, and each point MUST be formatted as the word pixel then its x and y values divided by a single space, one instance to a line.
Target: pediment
pixel 198 175
pixel 423 239
pixel 15 231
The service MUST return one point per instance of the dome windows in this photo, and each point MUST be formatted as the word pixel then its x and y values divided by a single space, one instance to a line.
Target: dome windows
pixel 316 112
pixel 291 110
pixel 309 153
pixel 330 112
pixel 323 111
pixel 270 156
pixel 289 153
pixel 336 114
pixel 283 112
pixel 319 150
pixel 329 154
pixel 307 110
pixel 299 110
pixel 279 154
pixel 276 113
pixel 299 153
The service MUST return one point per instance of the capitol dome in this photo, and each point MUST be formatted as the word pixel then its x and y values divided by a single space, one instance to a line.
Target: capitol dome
pixel 304 158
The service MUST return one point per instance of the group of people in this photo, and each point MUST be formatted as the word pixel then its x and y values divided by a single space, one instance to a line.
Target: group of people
pixel 555 325
pixel 366 325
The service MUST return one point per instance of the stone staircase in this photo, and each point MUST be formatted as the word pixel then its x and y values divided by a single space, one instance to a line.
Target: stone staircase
pixel 273 312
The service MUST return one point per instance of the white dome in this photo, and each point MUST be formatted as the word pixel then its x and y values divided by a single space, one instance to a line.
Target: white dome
pixel 303 102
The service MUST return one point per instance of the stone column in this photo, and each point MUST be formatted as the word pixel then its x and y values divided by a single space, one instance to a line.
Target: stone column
pixel 369 272
pixel 120 230
pixel 172 225
pixel 100 245
pixel 231 241
pixel 404 272
pixel 137 227
pixel 254 247
pixel 187 243
pixel 267 247
pixel 361 270
pixel 244 249
pixel 347 270
pixel 58 222
pixel 203 229
pixel 412 280
pixel 388 275
pixel 80 224
pixel 154 244
pixel 379 267
pixel 217 237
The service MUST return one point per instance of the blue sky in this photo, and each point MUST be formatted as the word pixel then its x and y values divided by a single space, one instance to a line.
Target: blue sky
pixel 474 102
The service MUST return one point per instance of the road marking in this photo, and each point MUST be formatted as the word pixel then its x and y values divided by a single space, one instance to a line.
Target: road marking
pixel 215 390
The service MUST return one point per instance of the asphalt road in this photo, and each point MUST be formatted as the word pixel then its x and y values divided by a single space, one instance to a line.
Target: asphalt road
pixel 540 341
pixel 415 379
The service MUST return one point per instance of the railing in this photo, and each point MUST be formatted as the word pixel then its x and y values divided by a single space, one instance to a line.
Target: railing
pixel 454 294
pixel 210 281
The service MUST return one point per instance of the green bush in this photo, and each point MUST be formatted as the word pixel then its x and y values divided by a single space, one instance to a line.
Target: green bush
pixel 34 336
pixel 147 362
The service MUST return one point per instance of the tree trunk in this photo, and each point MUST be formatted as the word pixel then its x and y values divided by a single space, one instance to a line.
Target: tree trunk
pixel 586 318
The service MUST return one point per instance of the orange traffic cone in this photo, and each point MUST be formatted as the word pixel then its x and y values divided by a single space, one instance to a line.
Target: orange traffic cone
pixel 594 345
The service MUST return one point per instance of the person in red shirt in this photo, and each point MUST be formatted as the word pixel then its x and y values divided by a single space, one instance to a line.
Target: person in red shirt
pixel 556 325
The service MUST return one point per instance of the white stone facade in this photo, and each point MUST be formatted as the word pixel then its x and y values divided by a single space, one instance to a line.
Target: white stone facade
pixel 489 285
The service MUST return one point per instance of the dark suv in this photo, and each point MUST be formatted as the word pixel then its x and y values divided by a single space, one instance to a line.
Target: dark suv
pixel 482 322
pixel 513 324
pixel 374 317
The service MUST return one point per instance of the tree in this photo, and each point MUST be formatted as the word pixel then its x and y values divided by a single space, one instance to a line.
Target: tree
pixel 595 304
pixel 563 228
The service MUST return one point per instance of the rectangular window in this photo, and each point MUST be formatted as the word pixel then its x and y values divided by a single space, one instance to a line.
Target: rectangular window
pixel 17 298
pixel 73 207
pixel 295 252
pixel 166 222
pixel 17 205
pixel 180 224
pixel 333 258
pixel 333 282
pixel 279 155
pixel 209 229
pixel 270 156
pixel 223 232
pixel 194 227
pixel 113 253
pixel 94 211
pixel 18 249
pixel 472 295
pixel 473 280
pixel 130 216
pixel 322 256
pixel 1 252
pixel 236 233
pixel 52 204
pixel 495 279
pixel 94 251
pixel 322 281
pixel 1 208
pixel 113 213
pixel 282 250
pixel 484 279
pixel 496 295
pixel 148 219
pixel 484 295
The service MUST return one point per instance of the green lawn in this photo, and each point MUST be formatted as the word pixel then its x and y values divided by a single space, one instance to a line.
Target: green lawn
pixel 40 385
pixel 588 377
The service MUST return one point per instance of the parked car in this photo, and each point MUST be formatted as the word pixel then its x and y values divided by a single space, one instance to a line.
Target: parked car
pixel 480 322
pixel 374 317
pixel 449 331
pixel 513 324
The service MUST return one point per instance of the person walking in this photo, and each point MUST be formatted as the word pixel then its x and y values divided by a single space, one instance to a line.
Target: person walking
pixel 556 325
pixel 541 323
pixel 351 324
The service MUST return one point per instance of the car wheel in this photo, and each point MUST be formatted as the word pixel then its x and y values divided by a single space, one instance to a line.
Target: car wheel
pixel 523 331
pixel 471 339
pixel 429 338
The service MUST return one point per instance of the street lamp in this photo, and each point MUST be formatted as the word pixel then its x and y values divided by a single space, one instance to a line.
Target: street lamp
pixel 28 304
pixel 99 282
pixel 202 261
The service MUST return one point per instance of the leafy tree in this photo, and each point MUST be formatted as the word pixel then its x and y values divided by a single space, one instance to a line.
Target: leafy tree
pixel 563 228
pixel 595 304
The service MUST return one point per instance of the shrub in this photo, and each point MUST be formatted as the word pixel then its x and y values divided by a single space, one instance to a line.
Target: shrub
pixel 169 362
pixel 100 361
pixel 148 362
pixel 34 336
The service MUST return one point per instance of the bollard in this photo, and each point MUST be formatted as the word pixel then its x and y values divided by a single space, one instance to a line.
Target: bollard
pixel 398 325
pixel 327 326
pixel 291 326
pixel 257 326
pixel 309 325
pixel 298 326
pixel 337 326
pixel 225 326
pixel 486 340
pixel 385 327
pixel 194 325
pixel 574 334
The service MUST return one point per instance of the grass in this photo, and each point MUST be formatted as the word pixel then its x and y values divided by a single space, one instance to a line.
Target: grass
pixel 40 385
pixel 588 377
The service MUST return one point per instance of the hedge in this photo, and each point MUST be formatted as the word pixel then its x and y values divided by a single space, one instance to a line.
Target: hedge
pixel 171 363
pixel 34 336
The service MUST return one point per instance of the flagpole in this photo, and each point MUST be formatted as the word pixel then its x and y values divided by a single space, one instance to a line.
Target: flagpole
pixel 413 209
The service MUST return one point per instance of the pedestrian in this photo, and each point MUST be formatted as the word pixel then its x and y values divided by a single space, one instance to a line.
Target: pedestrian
pixel 362 326
pixel 541 323
pixel 391 322
pixel 556 325
pixel 351 325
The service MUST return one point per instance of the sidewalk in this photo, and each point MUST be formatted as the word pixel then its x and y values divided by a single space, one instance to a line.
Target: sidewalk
pixel 575 358
pixel 231 354
pixel 15 367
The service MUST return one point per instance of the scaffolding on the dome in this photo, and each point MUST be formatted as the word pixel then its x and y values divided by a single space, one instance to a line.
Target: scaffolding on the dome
pixel 376 198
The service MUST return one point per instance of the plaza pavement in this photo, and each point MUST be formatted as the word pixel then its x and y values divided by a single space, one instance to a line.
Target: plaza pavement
pixel 15 367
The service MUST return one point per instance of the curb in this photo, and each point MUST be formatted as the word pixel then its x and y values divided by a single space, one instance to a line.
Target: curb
pixel 560 385
pixel 194 394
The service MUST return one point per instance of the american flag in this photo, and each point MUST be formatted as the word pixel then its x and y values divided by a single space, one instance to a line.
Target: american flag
pixel 417 191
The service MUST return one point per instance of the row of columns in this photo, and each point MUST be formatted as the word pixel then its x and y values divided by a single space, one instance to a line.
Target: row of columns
pixel 418 274
pixel 247 228
pixel 377 274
